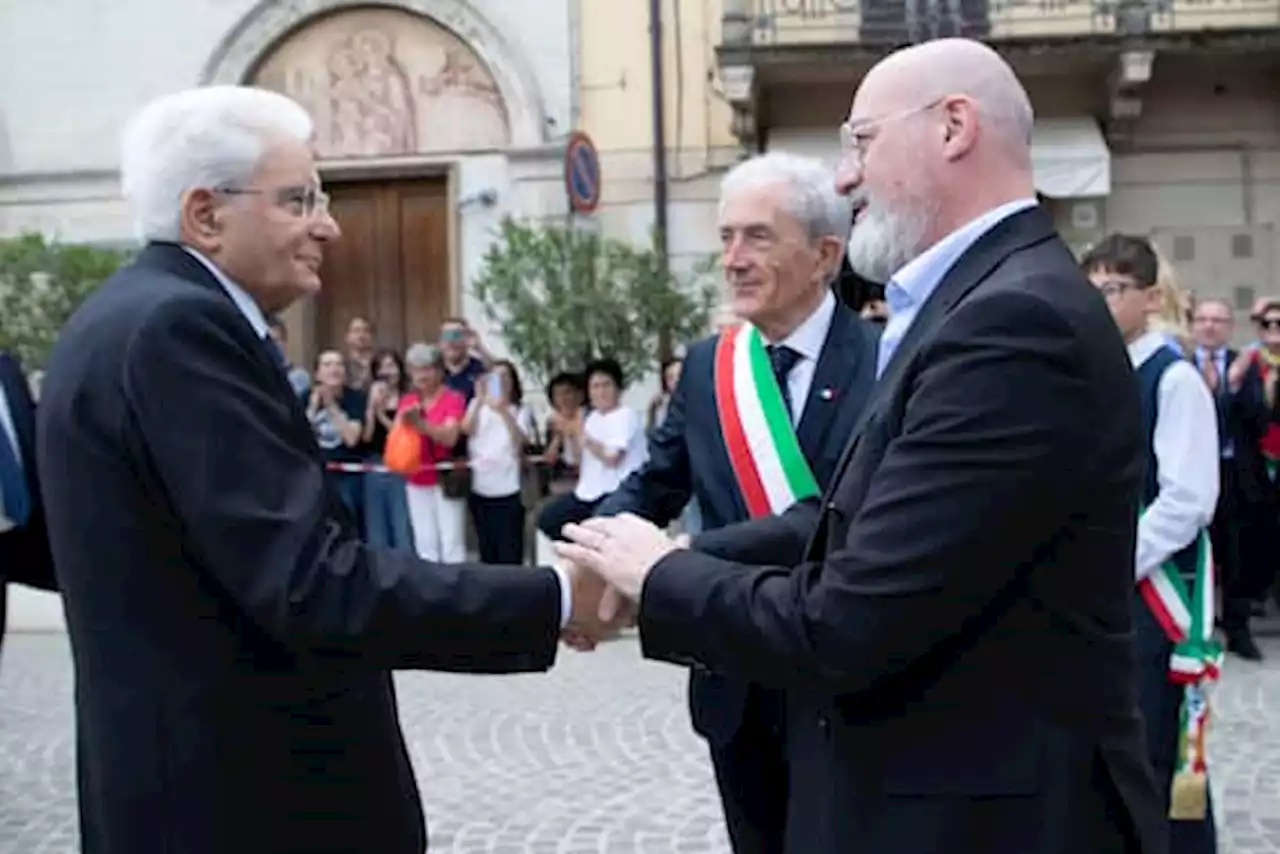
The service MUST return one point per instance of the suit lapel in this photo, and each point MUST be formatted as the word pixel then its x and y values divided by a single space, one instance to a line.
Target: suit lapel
pixel 835 377
pixel 173 259
pixel 176 261
pixel 1017 232
pixel 819 409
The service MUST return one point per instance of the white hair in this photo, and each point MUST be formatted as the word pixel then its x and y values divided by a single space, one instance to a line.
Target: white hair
pixel 207 137
pixel 812 198
pixel 422 355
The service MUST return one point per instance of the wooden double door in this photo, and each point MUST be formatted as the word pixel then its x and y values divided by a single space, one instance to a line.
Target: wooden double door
pixel 391 265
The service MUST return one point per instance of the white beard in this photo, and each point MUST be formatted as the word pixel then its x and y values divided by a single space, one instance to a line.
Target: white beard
pixel 882 241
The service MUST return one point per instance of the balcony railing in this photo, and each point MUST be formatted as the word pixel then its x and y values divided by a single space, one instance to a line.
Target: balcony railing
pixel 894 22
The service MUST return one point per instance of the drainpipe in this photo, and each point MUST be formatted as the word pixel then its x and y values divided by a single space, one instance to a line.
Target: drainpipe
pixel 575 64
pixel 659 131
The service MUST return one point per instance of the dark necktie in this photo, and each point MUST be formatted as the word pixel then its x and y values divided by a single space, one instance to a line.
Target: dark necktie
pixel 783 359
pixel 277 354
pixel 13 482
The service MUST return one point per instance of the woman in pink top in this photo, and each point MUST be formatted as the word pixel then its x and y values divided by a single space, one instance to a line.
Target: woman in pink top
pixel 435 411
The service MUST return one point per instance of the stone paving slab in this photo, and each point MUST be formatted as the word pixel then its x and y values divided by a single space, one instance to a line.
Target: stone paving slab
pixel 596 756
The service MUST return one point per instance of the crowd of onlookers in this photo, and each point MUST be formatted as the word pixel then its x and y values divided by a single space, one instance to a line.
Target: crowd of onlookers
pixel 486 458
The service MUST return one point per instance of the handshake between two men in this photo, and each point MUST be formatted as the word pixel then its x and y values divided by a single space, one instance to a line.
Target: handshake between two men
pixel 609 559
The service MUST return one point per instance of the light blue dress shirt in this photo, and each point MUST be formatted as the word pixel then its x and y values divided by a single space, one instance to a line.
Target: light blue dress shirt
pixel 912 286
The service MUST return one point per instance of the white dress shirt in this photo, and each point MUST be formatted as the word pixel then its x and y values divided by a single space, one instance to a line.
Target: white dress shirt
pixel 1186 451
pixel 258 321
pixel 1221 363
pixel 807 341
pixel 8 433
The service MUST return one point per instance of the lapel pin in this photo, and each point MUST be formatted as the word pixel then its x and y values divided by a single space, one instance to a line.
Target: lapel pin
pixel 827 393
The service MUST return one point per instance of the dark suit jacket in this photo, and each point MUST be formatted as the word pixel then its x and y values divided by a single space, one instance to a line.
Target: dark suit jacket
pixel 688 457
pixel 232 637
pixel 953 623
pixel 24 552
pixel 1244 417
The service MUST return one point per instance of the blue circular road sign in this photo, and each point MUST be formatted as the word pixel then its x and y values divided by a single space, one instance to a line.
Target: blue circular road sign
pixel 582 173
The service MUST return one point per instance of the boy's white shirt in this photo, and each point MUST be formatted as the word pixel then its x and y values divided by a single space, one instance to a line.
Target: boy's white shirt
pixel 1186 452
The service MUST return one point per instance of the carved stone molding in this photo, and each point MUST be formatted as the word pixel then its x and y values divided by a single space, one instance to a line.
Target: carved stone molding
pixel 1131 73
pixel 738 83
pixel 252 39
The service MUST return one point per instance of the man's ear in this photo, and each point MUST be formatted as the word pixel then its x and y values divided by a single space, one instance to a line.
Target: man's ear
pixel 200 220
pixel 830 256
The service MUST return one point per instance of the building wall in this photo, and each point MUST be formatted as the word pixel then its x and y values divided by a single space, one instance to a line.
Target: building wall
pixel 617 111
pixel 1201 172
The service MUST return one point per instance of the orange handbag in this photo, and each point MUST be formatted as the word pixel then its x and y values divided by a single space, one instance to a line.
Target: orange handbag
pixel 403 451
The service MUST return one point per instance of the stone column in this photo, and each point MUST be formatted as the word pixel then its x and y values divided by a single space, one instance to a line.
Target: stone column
pixel 735 22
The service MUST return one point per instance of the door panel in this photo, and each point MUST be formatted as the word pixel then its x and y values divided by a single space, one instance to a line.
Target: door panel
pixel 350 264
pixel 424 234
pixel 391 265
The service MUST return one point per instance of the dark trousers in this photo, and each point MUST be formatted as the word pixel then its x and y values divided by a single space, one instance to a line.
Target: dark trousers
pixel 349 487
pixel 1259 542
pixel 1160 700
pixel 1227 534
pixel 562 510
pixel 499 526
pixel 751 773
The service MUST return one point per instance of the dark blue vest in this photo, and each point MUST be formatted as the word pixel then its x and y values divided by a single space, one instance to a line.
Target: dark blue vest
pixel 1149 374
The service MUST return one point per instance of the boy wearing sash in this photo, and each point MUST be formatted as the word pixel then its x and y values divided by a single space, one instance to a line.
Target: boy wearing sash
pixel 1174 598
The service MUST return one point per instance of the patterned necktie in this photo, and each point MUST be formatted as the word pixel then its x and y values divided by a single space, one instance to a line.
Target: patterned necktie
pixel 13 481
pixel 783 359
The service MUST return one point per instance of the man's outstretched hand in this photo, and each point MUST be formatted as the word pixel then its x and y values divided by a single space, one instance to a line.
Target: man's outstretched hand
pixel 622 550
pixel 597 613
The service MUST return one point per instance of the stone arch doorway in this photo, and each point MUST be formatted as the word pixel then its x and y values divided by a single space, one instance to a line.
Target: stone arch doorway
pixel 399 99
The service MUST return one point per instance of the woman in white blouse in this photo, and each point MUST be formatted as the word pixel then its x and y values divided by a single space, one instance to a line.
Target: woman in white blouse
pixel 498 427
pixel 612 441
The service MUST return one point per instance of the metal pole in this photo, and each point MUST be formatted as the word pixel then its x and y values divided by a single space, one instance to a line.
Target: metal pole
pixel 659 131
pixel 659 158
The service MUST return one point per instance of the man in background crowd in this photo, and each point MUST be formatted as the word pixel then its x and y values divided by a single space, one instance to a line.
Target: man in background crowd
pixel 1244 491
pixel 465 356
pixel 359 353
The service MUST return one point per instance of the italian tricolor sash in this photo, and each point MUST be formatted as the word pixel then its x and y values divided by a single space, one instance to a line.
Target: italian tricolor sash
pixel 768 465
pixel 1186 616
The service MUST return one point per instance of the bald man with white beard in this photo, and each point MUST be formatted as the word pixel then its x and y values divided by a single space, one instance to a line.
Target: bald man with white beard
pixel 951 622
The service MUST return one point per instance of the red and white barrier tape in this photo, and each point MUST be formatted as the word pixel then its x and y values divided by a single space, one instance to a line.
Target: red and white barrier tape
pixel 447 465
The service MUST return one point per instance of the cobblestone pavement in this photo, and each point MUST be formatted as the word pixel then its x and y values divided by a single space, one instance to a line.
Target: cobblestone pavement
pixel 595 757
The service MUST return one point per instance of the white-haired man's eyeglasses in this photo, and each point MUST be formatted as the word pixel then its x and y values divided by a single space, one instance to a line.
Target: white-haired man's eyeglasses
pixel 301 201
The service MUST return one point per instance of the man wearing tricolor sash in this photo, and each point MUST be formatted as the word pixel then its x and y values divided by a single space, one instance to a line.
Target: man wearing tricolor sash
pixel 756 423
pixel 1178 657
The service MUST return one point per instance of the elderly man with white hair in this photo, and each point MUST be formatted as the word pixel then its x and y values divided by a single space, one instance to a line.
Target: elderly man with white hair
pixel 951 623
pixel 233 638
pixel 757 422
